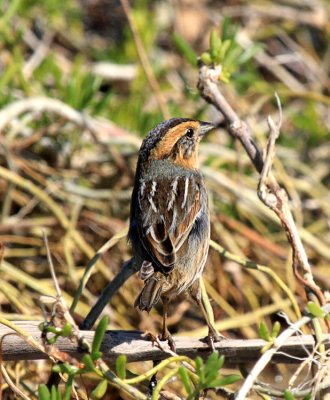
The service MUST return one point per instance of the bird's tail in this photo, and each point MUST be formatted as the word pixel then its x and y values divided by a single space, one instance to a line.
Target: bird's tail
pixel 150 294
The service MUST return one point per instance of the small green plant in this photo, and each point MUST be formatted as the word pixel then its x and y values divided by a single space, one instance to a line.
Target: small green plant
pixel 289 396
pixel 121 366
pixel 316 310
pixel 225 52
pixel 55 331
pixel 266 335
pixel 208 376
pixel 45 394
pixel 89 363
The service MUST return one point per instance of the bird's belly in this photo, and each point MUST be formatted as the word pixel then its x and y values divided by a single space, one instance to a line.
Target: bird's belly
pixel 187 270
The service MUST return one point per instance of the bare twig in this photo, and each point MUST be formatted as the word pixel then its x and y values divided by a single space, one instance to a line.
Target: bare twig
pixel 269 191
pixel 60 300
pixel 280 341
pixel 275 197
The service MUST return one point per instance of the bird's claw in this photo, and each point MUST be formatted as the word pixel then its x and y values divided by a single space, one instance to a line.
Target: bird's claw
pixel 211 338
pixel 169 340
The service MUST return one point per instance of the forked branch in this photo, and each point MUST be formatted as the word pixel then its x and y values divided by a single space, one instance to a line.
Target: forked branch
pixel 269 191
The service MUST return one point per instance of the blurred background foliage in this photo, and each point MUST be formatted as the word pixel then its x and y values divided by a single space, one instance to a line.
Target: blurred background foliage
pixel 83 53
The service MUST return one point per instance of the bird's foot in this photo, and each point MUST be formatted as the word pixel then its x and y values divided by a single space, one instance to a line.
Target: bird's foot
pixel 152 337
pixel 169 340
pixel 211 338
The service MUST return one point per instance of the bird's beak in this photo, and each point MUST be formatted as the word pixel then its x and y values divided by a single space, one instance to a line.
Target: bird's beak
pixel 204 128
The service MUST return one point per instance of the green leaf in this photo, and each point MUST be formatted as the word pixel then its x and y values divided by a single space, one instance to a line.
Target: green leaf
pixel 52 340
pixel 185 49
pixel 228 380
pixel 276 329
pixel 68 388
pixel 232 54
pixel 53 393
pixel 264 332
pixel 221 361
pixel 88 361
pixel 212 367
pixel 288 395
pixel 200 368
pixel 224 48
pixel 121 366
pixel 58 394
pixel 315 310
pixel 66 330
pixel 211 362
pixel 215 44
pixel 65 369
pixel 100 390
pixel 42 326
pixel 96 355
pixel 43 392
pixel 206 58
pixel 99 333
pixel 185 380
pixel 52 329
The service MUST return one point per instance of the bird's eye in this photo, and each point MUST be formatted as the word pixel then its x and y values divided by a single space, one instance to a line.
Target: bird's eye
pixel 190 132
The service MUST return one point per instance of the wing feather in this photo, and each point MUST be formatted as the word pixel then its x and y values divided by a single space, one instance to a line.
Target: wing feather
pixel 169 219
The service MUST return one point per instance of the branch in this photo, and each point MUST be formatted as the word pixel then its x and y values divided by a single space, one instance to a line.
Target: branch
pixel 280 343
pixel 137 347
pixel 269 191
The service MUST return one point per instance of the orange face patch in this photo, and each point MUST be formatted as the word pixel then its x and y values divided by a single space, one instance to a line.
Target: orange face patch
pixel 165 146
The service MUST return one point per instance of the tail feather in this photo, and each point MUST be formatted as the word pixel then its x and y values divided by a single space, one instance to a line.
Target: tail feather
pixel 150 294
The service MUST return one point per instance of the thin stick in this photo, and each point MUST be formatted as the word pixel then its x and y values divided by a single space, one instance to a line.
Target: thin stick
pixel 272 194
pixel 51 265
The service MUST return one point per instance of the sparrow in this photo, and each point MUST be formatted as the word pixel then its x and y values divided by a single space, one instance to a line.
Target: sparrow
pixel 169 220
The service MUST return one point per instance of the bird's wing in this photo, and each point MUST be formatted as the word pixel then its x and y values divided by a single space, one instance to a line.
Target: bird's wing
pixel 166 217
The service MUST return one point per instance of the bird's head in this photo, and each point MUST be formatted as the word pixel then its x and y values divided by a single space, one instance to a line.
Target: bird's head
pixel 177 140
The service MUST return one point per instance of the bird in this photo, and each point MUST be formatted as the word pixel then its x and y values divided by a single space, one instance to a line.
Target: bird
pixel 169 228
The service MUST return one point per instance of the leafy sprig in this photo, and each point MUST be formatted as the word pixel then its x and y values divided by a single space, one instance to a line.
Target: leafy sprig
pixel 225 52
pixel 208 374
